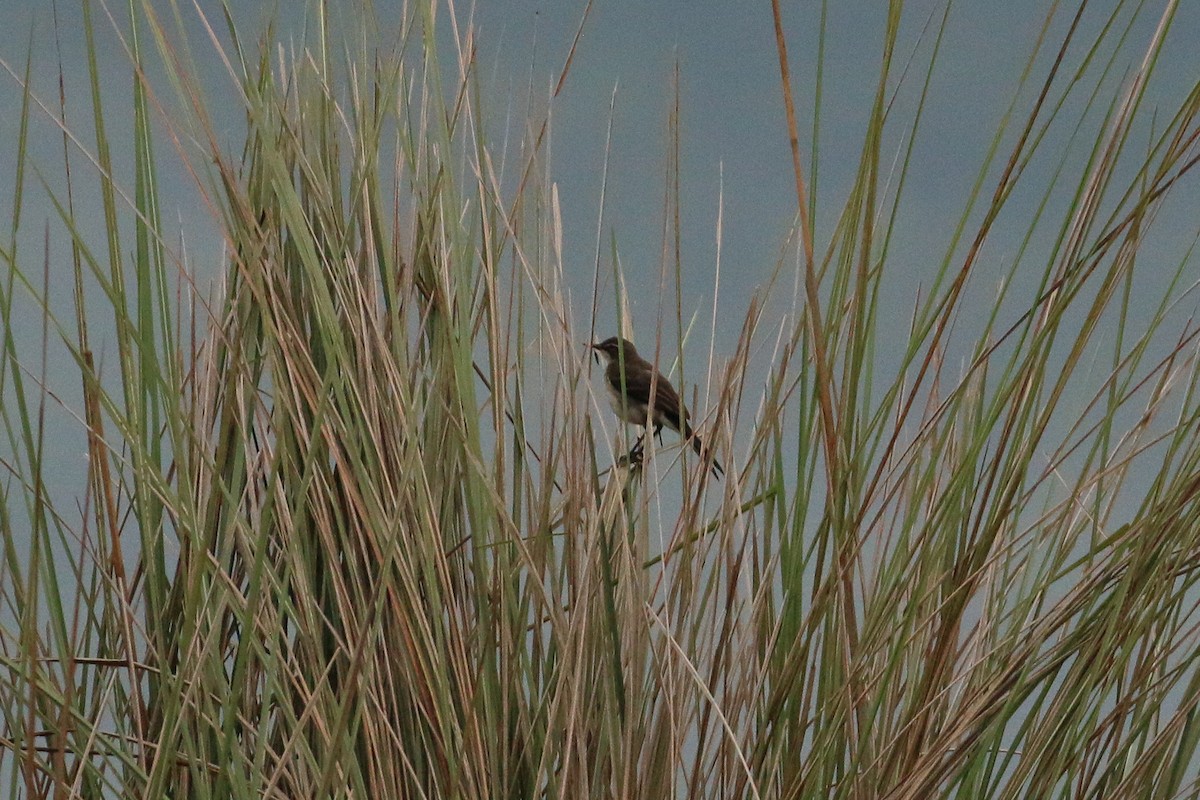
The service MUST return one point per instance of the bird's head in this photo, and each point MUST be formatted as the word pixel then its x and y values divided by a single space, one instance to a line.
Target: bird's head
pixel 613 346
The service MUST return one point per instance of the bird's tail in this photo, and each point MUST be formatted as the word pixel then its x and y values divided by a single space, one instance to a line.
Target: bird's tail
pixel 701 450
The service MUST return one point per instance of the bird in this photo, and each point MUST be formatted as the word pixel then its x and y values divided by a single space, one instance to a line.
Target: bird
pixel 629 394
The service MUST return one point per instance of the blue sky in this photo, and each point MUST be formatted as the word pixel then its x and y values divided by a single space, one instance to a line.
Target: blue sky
pixel 732 123
pixel 732 134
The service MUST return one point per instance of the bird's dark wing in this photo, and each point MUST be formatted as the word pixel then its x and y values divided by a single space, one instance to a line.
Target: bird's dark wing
pixel 636 385
pixel 666 399
pixel 671 411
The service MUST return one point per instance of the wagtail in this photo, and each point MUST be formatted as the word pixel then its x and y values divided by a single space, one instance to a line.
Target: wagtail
pixel 630 396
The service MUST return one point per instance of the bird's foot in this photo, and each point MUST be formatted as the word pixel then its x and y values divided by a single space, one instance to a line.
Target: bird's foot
pixel 633 459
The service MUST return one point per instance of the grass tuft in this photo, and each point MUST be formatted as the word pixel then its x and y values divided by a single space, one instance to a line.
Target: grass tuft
pixel 348 525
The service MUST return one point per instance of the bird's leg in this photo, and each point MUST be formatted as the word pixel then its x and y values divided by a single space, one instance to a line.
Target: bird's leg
pixel 638 447
pixel 658 433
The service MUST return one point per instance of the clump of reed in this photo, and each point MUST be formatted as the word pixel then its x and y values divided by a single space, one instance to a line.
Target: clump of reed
pixel 351 523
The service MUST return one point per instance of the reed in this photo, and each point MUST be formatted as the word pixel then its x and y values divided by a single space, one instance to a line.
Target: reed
pixel 353 521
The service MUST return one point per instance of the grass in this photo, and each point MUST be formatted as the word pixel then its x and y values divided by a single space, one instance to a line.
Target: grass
pixel 349 525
